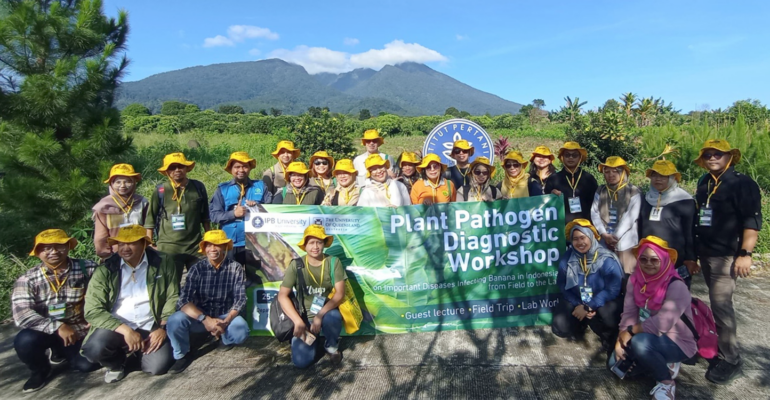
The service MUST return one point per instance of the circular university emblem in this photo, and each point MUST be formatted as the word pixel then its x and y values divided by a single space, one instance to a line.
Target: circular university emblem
pixel 443 136
pixel 257 222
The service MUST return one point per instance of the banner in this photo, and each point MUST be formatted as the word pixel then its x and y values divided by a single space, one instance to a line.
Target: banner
pixel 426 268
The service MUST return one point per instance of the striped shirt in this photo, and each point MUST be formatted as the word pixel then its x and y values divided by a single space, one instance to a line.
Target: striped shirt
pixel 214 291
pixel 33 295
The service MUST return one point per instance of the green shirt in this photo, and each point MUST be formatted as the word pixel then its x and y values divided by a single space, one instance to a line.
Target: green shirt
pixel 195 210
pixel 314 287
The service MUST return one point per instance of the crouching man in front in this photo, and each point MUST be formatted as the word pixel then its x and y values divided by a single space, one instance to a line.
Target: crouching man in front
pixel 128 302
pixel 212 297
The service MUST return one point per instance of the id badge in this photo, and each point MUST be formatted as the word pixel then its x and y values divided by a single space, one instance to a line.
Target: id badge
pixel 574 205
pixel 318 304
pixel 644 313
pixel 656 213
pixel 683 272
pixel 586 294
pixel 57 311
pixel 705 216
pixel 177 222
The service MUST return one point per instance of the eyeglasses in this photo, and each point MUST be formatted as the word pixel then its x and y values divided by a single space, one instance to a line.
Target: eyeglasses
pixel 717 155
pixel 433 166
pixel 460 151
pixel 512 165
pixel 479 172
pixel 571 155
pixel 369 141
pixel 50 248
pixel 647 260
pixel 321 162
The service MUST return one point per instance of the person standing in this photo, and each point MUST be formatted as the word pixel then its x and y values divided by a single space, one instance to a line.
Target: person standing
pixel 407 164
pixel 726 231
pixel 479 189
pixel 274 177
pixel 347 191
pixel 299 191
pixel 321 167
pixel 462 151
pixel 541 168
pixel 372 142
pixel 229 208
pixel 178 209
pixel 515 183
pixel 380 189
pixel 576 184
pixel 433 187
pixel 121 207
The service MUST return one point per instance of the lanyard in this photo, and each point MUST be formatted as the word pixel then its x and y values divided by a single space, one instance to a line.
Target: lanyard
pixel 574 183
pixel 387 190
pixel 177 196
pixel 297 197
pixel 433 188
pixel 646 281
pixel 347 193
pixel 320 182
pixel 614 193
pixel 479 196
pixel 584 266
pixel 323 263
pixel 717 182
pixel 59 285
pixel 125 207
pixel 243 194
pixel 513 183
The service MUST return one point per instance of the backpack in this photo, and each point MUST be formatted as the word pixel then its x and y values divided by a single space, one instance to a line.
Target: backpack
pixel 161 206
pixel 703 328
pixel 280 323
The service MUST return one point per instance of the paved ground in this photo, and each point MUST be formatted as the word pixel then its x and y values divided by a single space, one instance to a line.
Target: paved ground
pixel 527 363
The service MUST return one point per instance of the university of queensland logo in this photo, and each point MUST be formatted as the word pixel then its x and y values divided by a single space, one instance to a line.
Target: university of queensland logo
pixel 443 136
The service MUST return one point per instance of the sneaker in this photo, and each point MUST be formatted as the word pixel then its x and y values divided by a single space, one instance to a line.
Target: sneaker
pixel 724 372
pixel 37 381
pixel 661 391
pixel 112 376
pixel 56 359
pixel 336 357
pixel 181 364
pixel 673 368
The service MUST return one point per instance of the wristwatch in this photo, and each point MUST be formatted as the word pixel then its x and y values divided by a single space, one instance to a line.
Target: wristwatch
pixel 201 317
pixel 743 253
pixel 630 330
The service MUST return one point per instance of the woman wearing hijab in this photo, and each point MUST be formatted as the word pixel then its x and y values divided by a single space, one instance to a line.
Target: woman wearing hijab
pixel 590 279
pixel 121 207
pixel 380 190
pixel 615 210
pixel 347 191
pixel 668 212
pixel 433 187
pixel 407 164
pixel 479 189
pixel 297 191
pixel 515 184
pixel 540 169
pixel 652 332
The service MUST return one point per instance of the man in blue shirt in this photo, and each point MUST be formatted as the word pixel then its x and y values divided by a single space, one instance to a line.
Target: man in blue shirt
pixel 229 208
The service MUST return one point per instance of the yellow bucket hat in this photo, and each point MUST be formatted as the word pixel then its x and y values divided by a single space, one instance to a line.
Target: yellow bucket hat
pixel 464 145
pixel 318 232
pixel 217 237
pixel 175 158
pixel 515 156
pixel 615 162
pixel 375 160
pixel 483 161
pixel 286 145
pixel 429 159
pixel 721 145
pixel 130 234
pixel 53 236
pixel 665 168
pixel 240 156
pixel 344 165
pixel 672 254
pixel 542 151
pixel 372 134
pixel 580 222
pixel 297 167
pixel 408 157
pixel 123 170
pixel 574 146
pixel 320 154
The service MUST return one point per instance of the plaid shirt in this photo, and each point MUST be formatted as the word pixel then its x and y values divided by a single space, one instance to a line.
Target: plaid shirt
pixel 32 295
pixel 214 291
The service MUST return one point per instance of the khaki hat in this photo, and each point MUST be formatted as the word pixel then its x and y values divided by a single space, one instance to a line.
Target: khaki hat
pixel 53 236
pixel 721 145
pixel 375 160
pixel 574 146
pixel 372 134
pixel 483 161
pixel 515 156
pixel 286 145
pixel 665 168
pixel 580 222
pixel 408 157
pixel 429 159
pixel 242 157
pixel 345 165
pixel 463 145
pixel 123 170
pixel 297 167
pixel 130 234
pixel 542 151
pixel 175 158
pixel 318 232
pixel 320 154
pixel 615 162
pixel 672 254
pixel 217 237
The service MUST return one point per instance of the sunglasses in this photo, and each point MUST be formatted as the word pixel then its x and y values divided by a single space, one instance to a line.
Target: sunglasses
pixel 571 155
pixel 433 166
pixel 369 141
pixel 174 167
pixel 321 162
pixel 479 172
pixel 460 151
pixel 717 155
pixel 512 165
pixel 647 260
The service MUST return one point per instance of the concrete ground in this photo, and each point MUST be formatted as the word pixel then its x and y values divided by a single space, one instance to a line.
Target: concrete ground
pixel 528 363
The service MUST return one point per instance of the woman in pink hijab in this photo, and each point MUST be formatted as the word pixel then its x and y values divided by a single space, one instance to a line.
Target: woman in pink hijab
pixel 652 333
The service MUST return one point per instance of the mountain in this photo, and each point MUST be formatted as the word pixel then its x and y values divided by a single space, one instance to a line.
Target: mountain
pixel 404 89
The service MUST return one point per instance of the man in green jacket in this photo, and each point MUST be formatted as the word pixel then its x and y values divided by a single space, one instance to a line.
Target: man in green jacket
pixel 128 302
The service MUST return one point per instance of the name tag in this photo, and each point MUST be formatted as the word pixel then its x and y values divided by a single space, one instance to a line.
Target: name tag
pixel 177 222
pixel 318 304
pixel 644 313
pixel 57 311
pixel 706 214
pixel 656 213
pixel 586 294
pixel 613 219
pixel 574 205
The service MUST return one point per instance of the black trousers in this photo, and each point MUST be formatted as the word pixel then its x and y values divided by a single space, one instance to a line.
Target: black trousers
pixel 108 348
pixel 250 263
pixel 604 324
pixel 31 346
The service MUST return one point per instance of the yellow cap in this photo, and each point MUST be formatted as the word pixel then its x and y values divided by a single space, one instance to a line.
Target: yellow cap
pixel 574 146
pixel 580 222
pixel 372 134
pixel 320 154
pixel 516 156
pixel 175 158
pixel 53 236
pixel 123 170
pixel 721 145
pixel 615 162
pixel 318 232
pixel 130 234
pixel 542 151
pixel 217 237
pixel 286 145
pixel 483 161
pixel 297 167
pixel 464 145
pixel 375 160
pixel 429 159
pixel 345 165
pixel 672 254
pixel 665 168
pixel 242 157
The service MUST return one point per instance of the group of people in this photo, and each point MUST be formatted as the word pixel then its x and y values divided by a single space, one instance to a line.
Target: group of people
pixel 131 306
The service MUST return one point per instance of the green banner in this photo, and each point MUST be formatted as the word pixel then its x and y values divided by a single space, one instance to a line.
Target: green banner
pixel 426 268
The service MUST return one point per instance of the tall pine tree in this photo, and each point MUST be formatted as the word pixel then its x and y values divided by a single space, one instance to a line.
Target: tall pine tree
pixel 60 64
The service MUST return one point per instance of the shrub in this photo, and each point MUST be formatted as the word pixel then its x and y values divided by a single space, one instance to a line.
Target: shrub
pixel 135 110
pixel 325 133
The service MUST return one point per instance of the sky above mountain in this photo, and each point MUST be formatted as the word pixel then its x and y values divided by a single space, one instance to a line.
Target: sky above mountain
pixel 698 56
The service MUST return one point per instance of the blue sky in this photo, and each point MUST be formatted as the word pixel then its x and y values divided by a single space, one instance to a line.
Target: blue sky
pixel 704 54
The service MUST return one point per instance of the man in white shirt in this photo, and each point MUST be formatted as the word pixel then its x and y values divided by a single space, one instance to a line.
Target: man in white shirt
pixel 372 142
pixel 129 299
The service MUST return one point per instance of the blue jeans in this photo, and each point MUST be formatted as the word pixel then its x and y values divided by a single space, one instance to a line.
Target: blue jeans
pixel 180 326
pixel 303 355
pixel 652 353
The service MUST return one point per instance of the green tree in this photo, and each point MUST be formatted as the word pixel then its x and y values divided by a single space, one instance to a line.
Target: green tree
pixel 628 100
pixel 453 112
pixel 263 112
pixel 135 110
pixel 191 109
pixel 364 114
pixel 324 133
pixel 231 109
pixel 573 108
pixel 172 107
pixel 60 64
pixel 538 103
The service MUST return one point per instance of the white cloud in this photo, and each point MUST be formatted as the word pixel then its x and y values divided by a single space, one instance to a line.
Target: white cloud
pixel 255 52
pixel 240 33
pixel 321 59
pixel 217 41
pixel 461 37
pixel 351 41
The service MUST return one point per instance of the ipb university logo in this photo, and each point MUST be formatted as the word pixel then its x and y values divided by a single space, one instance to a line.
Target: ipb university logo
pixel 442 137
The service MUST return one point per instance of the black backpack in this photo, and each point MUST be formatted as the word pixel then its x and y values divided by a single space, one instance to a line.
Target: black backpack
pixel 280 323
